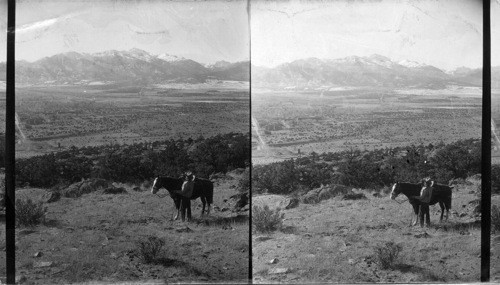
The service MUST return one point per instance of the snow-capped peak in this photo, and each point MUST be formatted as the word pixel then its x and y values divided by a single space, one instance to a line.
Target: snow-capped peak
pixel 140 54
pixel 169 57
pixel 409 63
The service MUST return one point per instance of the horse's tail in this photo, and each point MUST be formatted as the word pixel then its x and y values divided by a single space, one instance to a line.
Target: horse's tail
pixel 210 192
pixel 447 201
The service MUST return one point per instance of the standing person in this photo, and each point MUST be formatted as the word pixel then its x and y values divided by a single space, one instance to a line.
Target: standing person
pixel 425 199
pixel 186 193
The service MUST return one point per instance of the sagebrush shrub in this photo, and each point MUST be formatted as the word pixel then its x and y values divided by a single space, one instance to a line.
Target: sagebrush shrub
pixel 266 220
pixel 387 254
pixel 495 218
pixel 150 249
pixel 29 213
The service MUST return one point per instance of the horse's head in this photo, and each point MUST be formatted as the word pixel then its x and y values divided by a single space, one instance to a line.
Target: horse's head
pixel 396 190
pixel 155 186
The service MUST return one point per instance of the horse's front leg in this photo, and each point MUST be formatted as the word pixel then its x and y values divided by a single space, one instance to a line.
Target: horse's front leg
pixel 203 207
pixel 208 209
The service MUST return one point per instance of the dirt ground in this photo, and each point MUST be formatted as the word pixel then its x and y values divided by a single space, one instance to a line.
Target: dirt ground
pixel 94 238
pixel 334 241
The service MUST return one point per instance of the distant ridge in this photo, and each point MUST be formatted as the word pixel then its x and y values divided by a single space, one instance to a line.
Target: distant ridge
pixel 134 65
pixel 374 70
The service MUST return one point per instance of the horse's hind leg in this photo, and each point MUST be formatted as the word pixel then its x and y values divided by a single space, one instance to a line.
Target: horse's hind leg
pixel 178 206
pixel 203 201
pixel 188 203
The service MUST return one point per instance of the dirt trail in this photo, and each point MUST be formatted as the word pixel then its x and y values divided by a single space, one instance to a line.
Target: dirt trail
pixel 334 241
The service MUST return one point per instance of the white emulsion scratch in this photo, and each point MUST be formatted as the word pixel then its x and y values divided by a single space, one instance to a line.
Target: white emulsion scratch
pixel 255 125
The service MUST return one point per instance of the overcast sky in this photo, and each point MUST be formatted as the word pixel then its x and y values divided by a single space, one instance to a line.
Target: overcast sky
pixel 205 31
pixel 444 33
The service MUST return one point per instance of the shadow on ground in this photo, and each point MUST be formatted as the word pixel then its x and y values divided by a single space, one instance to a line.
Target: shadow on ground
pixel 222 221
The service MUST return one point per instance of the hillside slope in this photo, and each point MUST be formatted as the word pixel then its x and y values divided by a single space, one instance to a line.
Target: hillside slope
pixel 334 241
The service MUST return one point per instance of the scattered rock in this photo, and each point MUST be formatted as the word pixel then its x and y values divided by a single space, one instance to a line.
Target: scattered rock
pixel 20 279
pixel 278 270
pixel 51 197
pixel 294 202
pixel 462 215
pixel 242 201
pixel 224 209
pixel 423 235
pixel 25 232
pixel 77 189
pixel 185 229
pixel 351 261
pixel 114 190
pixel 354 196
pixel 273 261
pixel 262 238
pixel 39 264
pixel 37 254
pixel 323 193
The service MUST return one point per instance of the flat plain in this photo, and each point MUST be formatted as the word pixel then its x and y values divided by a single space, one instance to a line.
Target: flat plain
pixel 292 123
pixel 51 118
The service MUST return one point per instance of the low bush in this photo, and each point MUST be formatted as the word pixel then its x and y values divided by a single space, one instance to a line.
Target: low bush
pixel 150 249
pixel 387 254
pixel 30 213
pixel 495 219
pixel 266 220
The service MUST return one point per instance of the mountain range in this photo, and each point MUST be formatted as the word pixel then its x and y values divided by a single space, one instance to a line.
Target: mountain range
pixel 374 70
pixel 134 65
pixel 139 66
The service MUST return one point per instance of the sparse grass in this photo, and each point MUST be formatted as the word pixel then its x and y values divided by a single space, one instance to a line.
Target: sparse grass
pixel 30 213
pixel 150 249
pixel 267 220
pixel 495 219
pixel 387 254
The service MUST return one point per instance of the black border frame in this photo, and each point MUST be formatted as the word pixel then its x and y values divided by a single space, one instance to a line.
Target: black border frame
pixel 10 147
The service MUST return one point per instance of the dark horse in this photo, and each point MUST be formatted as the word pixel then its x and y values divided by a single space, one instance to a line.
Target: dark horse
pixel 440 194
pixel 203 189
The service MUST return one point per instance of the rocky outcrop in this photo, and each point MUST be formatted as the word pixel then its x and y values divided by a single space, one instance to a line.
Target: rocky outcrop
pixel 76 190
pixel 324 193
